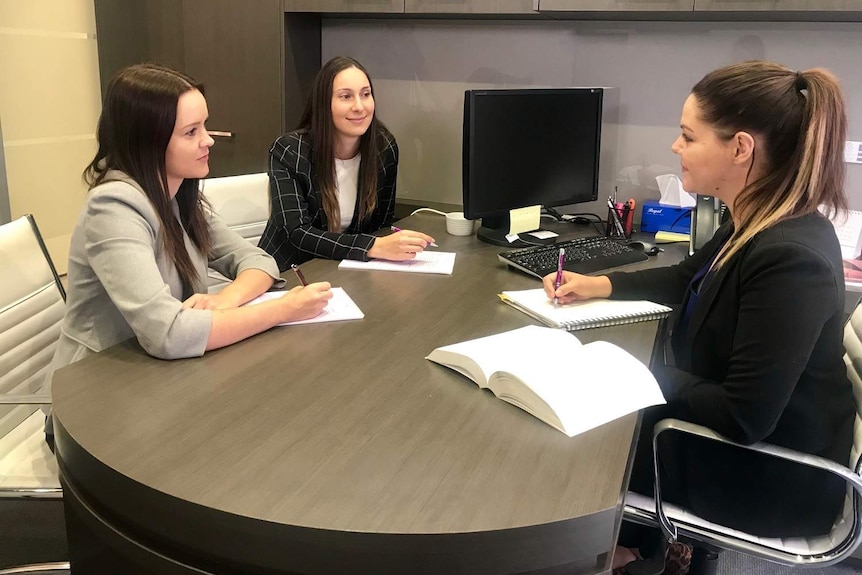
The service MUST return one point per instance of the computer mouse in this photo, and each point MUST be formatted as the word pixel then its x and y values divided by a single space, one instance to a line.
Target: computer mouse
pixel 646 247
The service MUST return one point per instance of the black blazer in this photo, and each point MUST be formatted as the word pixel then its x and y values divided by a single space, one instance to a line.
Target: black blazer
pixel 760 360
pixel 296 230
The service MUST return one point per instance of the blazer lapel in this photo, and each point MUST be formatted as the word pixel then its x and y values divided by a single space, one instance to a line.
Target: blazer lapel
pixel 706 299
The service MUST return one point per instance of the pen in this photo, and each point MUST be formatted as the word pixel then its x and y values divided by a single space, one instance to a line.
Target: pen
pixel 630 203
pixel 299 275
pixel 396 229
pixel 559 281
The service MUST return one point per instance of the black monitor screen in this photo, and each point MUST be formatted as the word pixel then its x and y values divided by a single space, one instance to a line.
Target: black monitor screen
pixel 530 147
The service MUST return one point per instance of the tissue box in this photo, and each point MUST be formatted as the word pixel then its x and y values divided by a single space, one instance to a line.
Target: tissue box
pixel 656 217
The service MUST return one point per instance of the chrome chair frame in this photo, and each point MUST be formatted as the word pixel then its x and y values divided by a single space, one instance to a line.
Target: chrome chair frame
pixel 775 550
pixel 23 492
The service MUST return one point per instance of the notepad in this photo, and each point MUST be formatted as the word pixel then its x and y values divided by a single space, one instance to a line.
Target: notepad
pixel 585 314
pixel 339 308
pixel 427 262
pixel 590 385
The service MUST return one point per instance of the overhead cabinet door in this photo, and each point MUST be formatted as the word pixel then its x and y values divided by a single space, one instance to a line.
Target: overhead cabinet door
pixel 616 5
pixel 778 5
pixel 471 6
pixel 358 6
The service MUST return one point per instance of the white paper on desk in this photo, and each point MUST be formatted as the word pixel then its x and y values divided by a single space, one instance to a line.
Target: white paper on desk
pixel 848 228
pixel 672 193
pixel 339 308
pixel 427 262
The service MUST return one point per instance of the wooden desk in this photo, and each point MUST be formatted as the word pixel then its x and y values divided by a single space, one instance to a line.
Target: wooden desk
pixel 337 448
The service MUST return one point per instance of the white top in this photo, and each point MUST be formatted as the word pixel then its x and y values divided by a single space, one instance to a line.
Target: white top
pixel 347 184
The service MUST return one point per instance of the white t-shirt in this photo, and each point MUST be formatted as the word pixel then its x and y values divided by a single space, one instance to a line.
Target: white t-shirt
pixel 347 182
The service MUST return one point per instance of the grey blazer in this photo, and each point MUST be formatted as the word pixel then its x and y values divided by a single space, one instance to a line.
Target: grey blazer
pixel 121 285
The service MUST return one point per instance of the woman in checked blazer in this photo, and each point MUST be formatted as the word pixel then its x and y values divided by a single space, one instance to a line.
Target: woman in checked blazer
pixel 332 181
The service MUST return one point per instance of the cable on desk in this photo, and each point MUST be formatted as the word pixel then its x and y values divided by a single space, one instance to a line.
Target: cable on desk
pixel 427 210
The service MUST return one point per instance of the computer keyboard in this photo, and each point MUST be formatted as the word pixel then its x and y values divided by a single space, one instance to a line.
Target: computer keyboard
pixel 583 255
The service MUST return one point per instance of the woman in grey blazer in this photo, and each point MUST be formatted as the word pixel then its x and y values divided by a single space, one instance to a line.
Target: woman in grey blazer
pixel 143 241
pixel 332 181
pixel 758 343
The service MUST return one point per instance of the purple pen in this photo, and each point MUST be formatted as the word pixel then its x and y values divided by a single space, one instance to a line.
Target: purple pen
pixel 559 281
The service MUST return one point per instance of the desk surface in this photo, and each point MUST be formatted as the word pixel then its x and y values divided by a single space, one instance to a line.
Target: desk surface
pixel 337 447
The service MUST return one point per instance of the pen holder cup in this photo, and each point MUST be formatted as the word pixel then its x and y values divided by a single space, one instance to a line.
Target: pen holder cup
pixel 457 225
pixel 616 226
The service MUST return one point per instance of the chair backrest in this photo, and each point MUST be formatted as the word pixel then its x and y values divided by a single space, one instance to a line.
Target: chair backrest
pixel 32 304
pixel 241 201
pixel 851 516
pixel 853 360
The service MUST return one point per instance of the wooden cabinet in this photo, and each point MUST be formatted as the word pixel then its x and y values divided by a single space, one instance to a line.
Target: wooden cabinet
pixel 616 5
pixel 345 6
pixel 234 48
pixel 778 5
pixel 471 6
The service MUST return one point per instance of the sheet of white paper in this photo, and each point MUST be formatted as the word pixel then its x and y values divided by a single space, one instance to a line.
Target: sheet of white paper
pixel 543 234
pixel 848 228
pixel 427 262
pixel 339 308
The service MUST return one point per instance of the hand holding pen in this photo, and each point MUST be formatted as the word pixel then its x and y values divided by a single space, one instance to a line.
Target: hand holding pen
pixel 576 287
pixel 306 300
pixel 561 260
pixel 401 245
pixel 397 229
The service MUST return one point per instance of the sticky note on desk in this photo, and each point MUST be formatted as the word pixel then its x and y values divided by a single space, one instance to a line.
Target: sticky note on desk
pixel 524 219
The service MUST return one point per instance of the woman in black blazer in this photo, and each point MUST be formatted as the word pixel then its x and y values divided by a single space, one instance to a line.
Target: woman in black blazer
pixel 758 344
pixel 332 181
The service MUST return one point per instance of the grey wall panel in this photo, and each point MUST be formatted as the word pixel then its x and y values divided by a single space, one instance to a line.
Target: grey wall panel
pixel 421 68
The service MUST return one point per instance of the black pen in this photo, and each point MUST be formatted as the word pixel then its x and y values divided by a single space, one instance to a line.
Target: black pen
pixel 299 275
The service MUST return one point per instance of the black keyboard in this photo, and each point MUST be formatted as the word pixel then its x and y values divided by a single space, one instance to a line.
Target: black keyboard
pixel 583 256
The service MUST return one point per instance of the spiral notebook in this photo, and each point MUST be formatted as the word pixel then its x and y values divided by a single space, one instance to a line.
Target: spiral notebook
pixel 584 314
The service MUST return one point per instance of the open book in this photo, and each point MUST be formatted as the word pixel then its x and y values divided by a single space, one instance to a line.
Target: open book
pixel 583 314
pixel 339 308
pixel 551 375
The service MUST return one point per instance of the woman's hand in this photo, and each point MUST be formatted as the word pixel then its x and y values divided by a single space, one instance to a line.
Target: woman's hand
pixel 403 245
pixel 304 302
pixel 576 287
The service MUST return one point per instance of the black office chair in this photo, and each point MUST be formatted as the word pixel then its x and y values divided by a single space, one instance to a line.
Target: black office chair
pixel 846 533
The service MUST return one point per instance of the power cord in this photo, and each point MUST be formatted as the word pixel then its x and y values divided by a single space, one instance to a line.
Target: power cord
pixel 432 210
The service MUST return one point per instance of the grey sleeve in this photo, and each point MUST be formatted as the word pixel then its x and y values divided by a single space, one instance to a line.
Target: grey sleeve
pixel 233 254
pixel 122 245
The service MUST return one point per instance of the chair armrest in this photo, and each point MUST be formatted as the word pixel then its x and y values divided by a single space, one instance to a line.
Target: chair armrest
pixel 28 399
pixel 669 529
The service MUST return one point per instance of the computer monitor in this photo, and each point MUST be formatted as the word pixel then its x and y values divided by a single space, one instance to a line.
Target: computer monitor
pixel 529 147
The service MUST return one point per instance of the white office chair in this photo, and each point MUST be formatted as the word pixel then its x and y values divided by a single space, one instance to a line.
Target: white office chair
pixel 32 303
pixel 838 544
pixel 243 203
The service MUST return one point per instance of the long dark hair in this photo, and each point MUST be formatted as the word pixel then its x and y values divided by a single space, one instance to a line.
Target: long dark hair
pixel 800 117
pixel 137 120
pixel 317 119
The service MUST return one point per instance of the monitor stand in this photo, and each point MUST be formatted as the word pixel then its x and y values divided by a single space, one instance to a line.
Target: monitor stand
pixel 495 228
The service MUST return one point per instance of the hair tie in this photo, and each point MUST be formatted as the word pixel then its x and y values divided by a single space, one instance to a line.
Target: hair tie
pixel 801 83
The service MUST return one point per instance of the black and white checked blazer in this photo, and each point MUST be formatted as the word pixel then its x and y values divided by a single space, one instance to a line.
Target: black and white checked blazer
pixel 296 230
